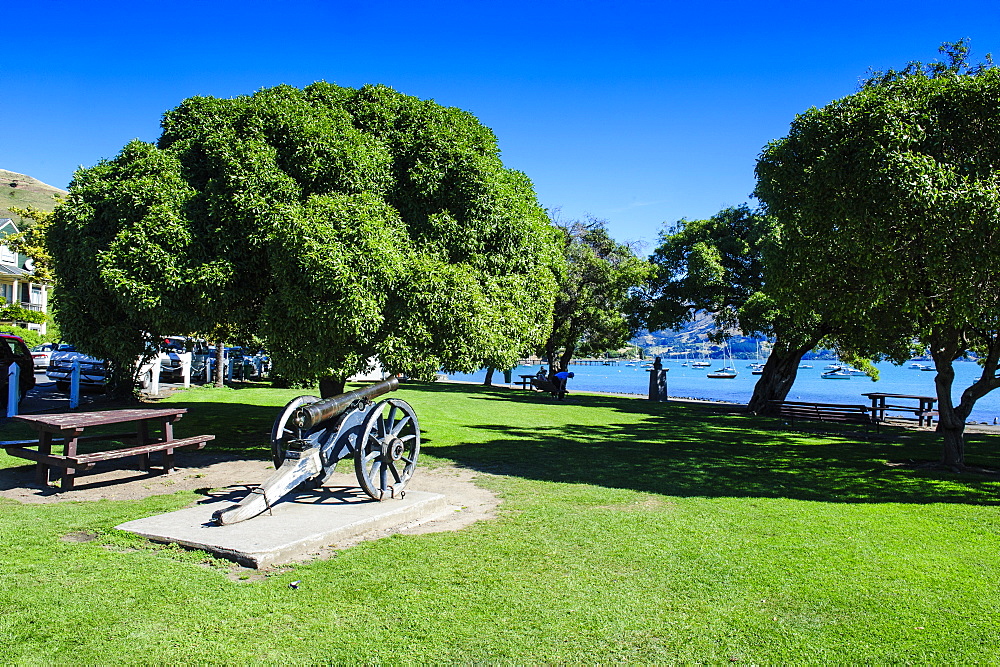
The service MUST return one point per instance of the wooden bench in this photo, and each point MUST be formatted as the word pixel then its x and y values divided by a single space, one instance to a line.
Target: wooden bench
pixel 88 460
pixel 824 412
pixel 918 412
pixel 198 442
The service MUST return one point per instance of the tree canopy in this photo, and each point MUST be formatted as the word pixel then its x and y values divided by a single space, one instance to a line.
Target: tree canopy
pixel 339 224
pixel 889 201
pixel 598 299
pixel 723 265
pixel 712 265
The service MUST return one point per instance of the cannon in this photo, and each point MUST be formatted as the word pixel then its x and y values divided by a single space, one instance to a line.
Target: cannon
pixel 311 435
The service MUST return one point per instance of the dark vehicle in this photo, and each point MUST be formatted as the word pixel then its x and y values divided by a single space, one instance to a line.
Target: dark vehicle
pixel 246 365
pixel 14 351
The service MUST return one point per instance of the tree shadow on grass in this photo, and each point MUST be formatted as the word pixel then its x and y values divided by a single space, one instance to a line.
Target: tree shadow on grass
pixel 713 451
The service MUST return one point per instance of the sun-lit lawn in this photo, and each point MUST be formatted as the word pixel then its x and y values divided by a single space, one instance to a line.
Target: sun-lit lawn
pixel 628 531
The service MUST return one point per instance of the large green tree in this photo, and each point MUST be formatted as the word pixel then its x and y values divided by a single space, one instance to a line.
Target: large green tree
pixel 338 224
pixel 889 201
pixel 598 299
pixel 722 266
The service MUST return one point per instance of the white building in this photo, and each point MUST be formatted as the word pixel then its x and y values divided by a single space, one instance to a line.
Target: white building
pixel 17 285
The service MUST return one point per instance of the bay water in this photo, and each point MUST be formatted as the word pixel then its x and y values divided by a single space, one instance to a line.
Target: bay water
pixel 687 382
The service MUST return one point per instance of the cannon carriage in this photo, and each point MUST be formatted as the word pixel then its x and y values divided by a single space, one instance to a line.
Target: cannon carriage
pixel 312 435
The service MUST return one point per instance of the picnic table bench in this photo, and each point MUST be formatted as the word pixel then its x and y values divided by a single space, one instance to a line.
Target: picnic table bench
pixel 924 410
pixel 66 429
pixel 525 381
pixel 824 412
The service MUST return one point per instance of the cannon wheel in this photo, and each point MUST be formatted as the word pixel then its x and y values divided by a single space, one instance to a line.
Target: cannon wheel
pixel 387 449
pixel 284 430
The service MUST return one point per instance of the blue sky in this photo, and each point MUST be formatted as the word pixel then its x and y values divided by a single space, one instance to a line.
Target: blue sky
pixel 638 113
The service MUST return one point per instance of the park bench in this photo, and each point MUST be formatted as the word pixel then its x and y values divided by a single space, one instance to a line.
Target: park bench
pixel 824 412
pixel 88 460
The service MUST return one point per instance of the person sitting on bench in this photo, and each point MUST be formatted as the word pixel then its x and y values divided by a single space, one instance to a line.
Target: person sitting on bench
pixel 541 381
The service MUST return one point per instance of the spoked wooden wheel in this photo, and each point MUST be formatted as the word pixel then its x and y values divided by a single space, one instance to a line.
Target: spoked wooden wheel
pixel 387 449
pixel 284 428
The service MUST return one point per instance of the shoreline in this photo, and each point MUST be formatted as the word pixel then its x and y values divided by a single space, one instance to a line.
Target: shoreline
pixel 682 399
pixel 970 427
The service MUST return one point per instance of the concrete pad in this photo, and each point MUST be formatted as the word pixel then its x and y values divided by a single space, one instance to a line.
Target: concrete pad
pixel 296 527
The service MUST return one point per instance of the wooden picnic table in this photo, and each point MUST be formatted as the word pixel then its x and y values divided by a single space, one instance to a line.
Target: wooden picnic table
pixel 924 410
pixel 525 381
pixel 68 428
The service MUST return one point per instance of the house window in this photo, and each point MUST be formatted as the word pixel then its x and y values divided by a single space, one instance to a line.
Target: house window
pixel 36 295
pixel 7 292
pixel 7 256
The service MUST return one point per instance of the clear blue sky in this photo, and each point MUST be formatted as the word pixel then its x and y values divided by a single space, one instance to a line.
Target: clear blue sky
pixel 634 112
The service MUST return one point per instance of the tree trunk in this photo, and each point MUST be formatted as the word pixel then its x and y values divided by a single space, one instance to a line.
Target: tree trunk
pixel 951 417
pixel 550 353
pixel 220 364
pixel 489 377
pixel 779 375
pixel 566 357
pixel 117 385
pixel 331 386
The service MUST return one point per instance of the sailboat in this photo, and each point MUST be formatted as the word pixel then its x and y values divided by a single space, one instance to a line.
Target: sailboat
pixel 757 368
pixel 727 372
pixel 701 363
pixel 836 373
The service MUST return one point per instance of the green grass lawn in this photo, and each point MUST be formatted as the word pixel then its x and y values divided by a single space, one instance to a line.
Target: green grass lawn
pixel 629 531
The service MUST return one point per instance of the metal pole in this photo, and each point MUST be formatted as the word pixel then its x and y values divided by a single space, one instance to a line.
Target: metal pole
pixel 74 385
pixel 13 388
pixel 154 376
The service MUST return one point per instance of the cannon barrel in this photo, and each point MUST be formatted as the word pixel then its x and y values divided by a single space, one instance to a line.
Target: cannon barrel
pixel 312 414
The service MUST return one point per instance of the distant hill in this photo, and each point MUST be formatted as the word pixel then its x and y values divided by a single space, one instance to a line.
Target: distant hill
pixel 691 341
pixel 22 191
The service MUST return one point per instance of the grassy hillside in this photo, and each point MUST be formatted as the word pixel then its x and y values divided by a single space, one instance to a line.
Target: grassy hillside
pixel 21 191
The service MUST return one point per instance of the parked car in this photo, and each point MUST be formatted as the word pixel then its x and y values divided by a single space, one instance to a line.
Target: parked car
pixel 13 350
pixel 93 371
pixel 40 354
pixel 170 363
pixel 247 365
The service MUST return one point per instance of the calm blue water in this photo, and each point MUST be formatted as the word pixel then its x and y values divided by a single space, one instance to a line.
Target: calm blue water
pixel 684 381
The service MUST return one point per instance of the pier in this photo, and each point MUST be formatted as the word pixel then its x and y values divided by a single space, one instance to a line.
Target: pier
pixel 534 361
